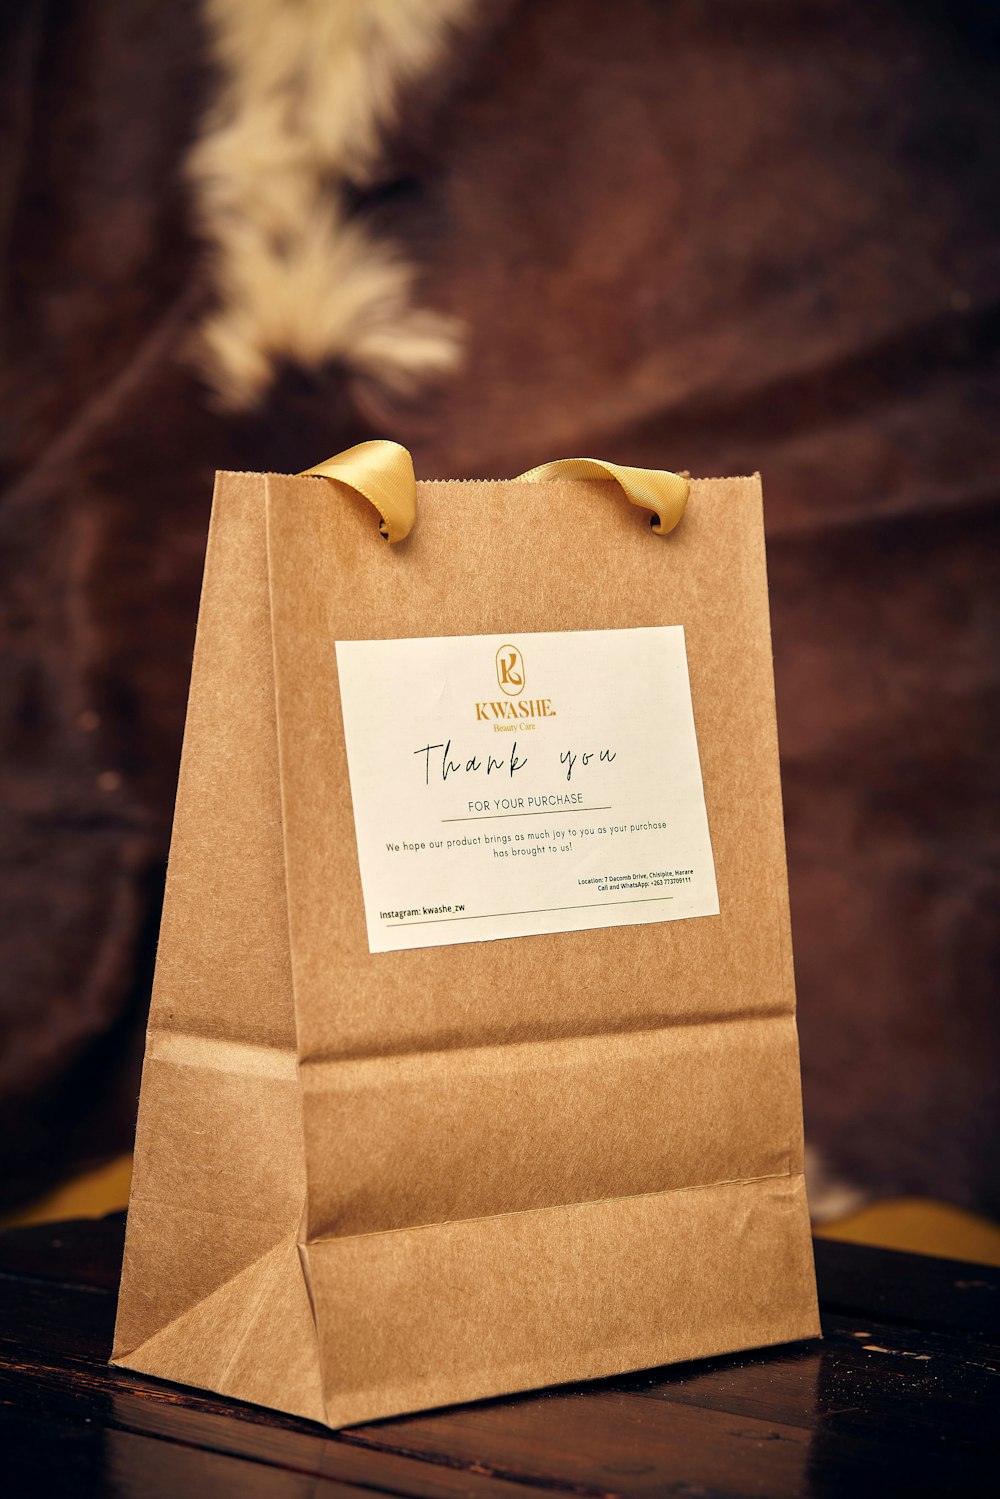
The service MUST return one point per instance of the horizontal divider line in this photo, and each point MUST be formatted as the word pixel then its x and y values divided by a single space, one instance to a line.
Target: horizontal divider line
pixel 594 905
pixel 545 812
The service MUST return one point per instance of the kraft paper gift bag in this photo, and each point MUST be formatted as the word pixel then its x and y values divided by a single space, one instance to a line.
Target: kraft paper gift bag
pixel 472 1062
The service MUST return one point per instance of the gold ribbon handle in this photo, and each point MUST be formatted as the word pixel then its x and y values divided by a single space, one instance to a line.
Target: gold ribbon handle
pixel 660 492
pixel 382 472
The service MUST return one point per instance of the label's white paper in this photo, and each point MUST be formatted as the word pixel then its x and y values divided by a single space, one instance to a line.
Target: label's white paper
pixel 511 786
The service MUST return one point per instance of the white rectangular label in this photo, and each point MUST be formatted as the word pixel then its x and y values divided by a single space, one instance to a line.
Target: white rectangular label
pixel 510 786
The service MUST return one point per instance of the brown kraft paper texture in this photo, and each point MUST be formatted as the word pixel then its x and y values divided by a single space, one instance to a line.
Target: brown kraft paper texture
pixel 371 1184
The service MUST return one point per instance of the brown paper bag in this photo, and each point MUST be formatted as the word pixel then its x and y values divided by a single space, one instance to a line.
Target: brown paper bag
pixel 374 1182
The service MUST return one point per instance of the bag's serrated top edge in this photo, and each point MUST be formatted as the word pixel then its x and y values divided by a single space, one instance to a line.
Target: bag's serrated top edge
pixel 249 473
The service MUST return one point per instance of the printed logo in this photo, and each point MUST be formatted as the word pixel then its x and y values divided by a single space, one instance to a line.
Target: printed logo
pixel 505 715
pixel 510 670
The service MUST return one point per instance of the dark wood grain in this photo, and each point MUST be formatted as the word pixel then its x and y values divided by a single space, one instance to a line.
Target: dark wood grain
pixel 84 1252
pixel 912 1289
pixel 889 1403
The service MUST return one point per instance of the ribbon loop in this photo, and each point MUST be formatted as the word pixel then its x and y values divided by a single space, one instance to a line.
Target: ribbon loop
pixel 662 493
pixel 382 473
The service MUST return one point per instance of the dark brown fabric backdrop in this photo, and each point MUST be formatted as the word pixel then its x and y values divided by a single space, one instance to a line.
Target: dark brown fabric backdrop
pixel 716 236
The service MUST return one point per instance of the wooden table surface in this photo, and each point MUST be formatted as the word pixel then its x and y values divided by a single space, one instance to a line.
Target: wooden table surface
pixel 899 1398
